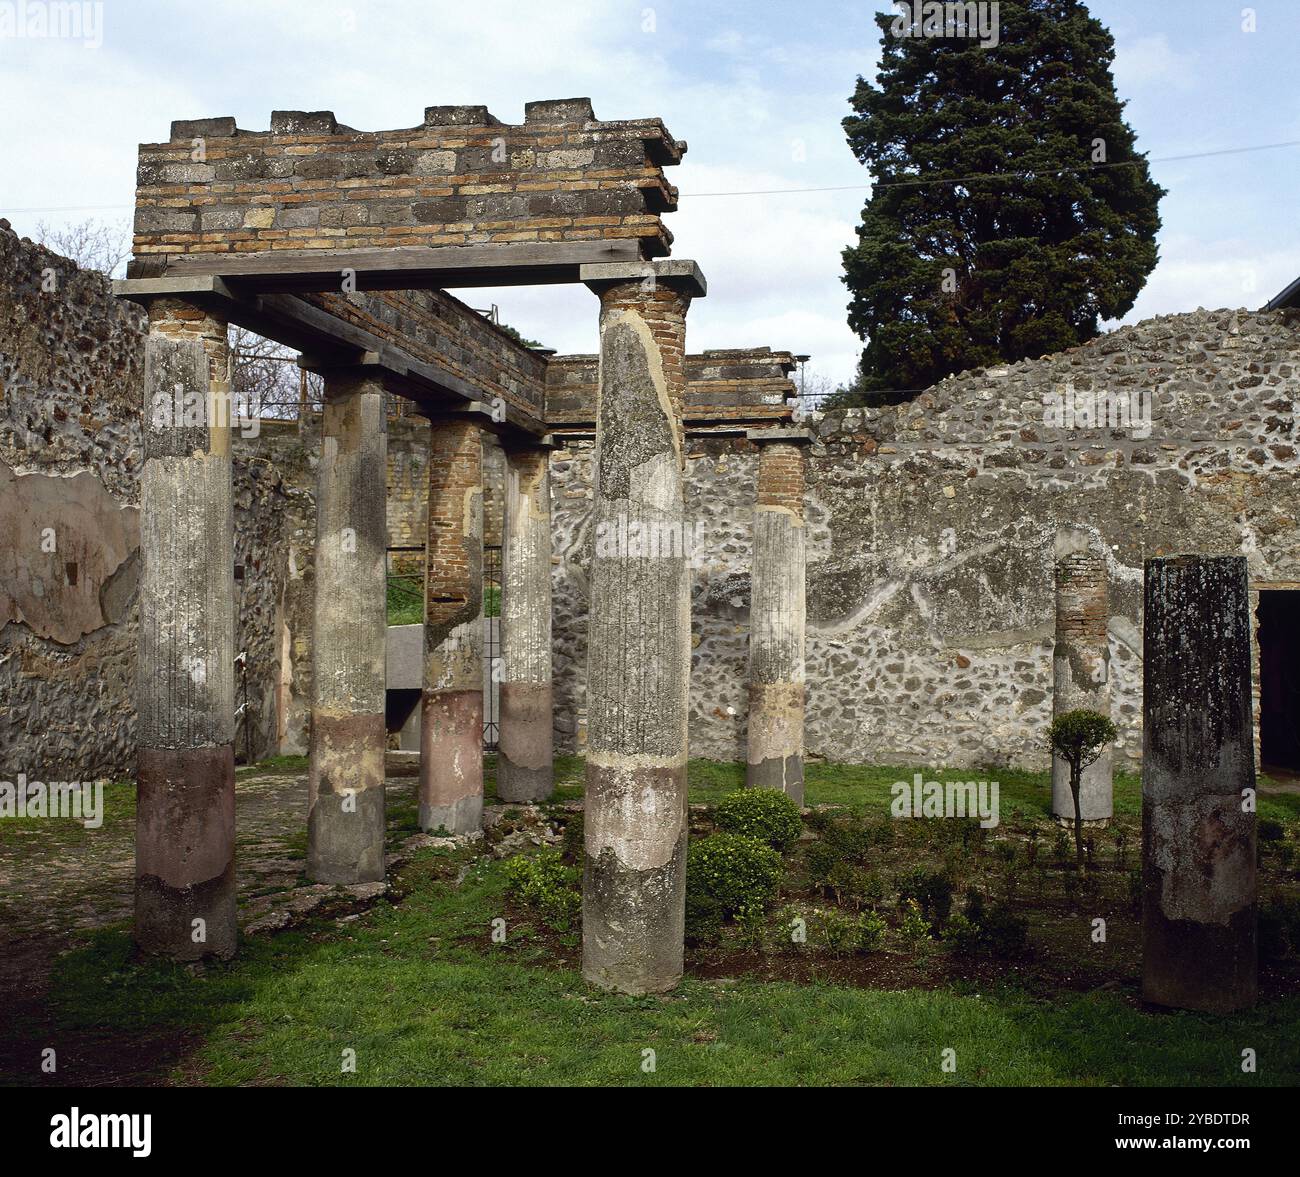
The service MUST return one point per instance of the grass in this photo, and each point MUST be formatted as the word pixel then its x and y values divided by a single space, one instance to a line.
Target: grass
pixel 416 987
pixel 421 995
pixel 406 600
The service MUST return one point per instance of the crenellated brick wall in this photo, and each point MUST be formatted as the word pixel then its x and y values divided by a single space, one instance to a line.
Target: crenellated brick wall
pixel 460 178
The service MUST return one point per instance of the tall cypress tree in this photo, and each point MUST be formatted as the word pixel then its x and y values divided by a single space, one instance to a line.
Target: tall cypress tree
pixel 1011 210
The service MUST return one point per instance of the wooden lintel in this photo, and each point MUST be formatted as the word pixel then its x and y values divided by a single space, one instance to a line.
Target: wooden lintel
pixel 406 267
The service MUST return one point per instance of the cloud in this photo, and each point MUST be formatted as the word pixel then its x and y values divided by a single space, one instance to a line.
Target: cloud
pixel 1152 62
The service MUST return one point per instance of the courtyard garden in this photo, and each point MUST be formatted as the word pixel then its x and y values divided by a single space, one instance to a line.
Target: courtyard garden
pixel 836 946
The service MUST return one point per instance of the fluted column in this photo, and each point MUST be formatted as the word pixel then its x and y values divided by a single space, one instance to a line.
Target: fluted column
pixel 185 811
pixel 639 638
pixel 524 761
pixel 345 822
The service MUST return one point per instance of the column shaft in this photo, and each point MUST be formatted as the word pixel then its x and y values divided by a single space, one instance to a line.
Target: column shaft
pixel 451 717
pixel 1199 890
pixel 345 793
pixel 638 678
pixel 185 812
pixel 1081 666
pixel 776 618
pixel 524 763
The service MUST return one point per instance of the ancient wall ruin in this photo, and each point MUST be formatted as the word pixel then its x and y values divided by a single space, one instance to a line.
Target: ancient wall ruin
pixel 71 359
pixel 930 538
pixel 929 527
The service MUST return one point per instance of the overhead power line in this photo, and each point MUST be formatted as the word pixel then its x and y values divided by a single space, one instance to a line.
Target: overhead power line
pixel 915 183
pixel 1088 167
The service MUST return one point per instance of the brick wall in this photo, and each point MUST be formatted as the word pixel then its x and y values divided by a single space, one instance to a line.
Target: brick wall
pixel 433 326
pixel 460 178
pixel 453 556
pixel 746 384
pixel 781 477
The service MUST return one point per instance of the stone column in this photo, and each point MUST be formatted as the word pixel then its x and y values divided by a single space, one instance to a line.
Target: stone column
pixel 345 785
pixel 776 616
pixel 639 636
pixel 1199 888
pixel 185 809
pixel 524 762
pixel 451 715
pixel 1081 665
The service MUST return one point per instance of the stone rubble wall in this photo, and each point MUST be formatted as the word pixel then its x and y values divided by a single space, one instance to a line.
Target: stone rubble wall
pixel 930 540
pixel 71 378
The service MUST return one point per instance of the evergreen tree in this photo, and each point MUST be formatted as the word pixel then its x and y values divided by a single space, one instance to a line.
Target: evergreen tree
pixel 1011 210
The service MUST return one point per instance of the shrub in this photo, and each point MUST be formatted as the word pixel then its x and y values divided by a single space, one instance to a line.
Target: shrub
pixel 766 814
pixel 961 935
pixel 837 931
pixel 545 883
pixel 728 873
pixel 1279 929
pixel 1002 933
pixel 914 927
pixel 873 932
pixel 974 906
pixel 930 890
pixel 842 934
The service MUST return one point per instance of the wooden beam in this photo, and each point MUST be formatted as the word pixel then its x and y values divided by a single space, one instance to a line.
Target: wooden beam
pixel 405 267
pixel 329 342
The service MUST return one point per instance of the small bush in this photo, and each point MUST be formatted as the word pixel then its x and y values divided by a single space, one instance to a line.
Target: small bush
pixel 1002 933
pixel 1279 929
pixel 725 874
pixel 837 931
pixel 961 935
pixel 843 934
pixel 545 883
pixel 931 891
pixel 914 927
pixel 873 932
pixel 1270 831
pixel 766 814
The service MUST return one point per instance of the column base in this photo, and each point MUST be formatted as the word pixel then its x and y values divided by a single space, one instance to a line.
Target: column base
pixel 634 901
pixel 185 853
pixel 451 761
pixel 525 768
pixel 784 773
pixel 346 814
pixel 1096 791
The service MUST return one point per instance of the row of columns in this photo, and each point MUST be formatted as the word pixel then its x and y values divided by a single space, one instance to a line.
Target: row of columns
pixel 1198 767
pixel 639 637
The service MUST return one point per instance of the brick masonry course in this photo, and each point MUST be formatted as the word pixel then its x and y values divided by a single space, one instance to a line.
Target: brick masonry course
pixel 462 177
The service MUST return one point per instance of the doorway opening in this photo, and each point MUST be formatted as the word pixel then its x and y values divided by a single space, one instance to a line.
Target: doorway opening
pixel 1279 679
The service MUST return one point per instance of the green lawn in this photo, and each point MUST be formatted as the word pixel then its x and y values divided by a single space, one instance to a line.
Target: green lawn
pixel 421 995
pixel 416 987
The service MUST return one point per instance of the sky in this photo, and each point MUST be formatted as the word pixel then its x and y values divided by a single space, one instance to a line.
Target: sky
pixel 757 89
